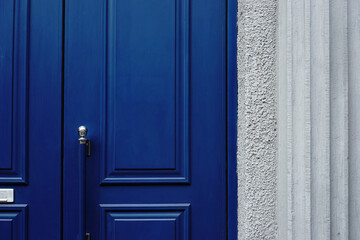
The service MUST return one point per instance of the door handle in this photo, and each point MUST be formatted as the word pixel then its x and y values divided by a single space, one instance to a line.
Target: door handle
pixel 84 143
pixel 82 130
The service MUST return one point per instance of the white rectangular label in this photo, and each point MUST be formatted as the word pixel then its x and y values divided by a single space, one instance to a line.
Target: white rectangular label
pixel 6 195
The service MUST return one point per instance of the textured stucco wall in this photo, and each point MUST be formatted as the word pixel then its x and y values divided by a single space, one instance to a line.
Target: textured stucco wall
pixel 257 123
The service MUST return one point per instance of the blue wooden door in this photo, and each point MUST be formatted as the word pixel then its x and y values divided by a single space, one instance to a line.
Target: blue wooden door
pixel 148 80
pixel 30 119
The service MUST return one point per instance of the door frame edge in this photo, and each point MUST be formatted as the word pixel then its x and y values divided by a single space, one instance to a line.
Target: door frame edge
pixel 231 124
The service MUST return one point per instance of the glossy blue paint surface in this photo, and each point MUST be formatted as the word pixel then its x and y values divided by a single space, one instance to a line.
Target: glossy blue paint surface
pixel 232 99
pixel 155 221
pixel 148 79
pixel 13 221
pixel 141 61
pixel 80 184
pixel 6 73
pixel 161 43
pixel 14 90
pixel 30 118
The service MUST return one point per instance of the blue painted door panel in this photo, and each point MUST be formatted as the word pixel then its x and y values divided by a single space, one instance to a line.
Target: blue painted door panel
pixel 148 79
pixel 30 118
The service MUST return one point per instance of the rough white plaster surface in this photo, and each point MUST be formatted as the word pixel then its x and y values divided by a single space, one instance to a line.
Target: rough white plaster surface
pixel 257 131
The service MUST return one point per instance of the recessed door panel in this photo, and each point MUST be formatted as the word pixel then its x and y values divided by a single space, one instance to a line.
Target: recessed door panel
pixel 6 71
pixel 140 77
pixel 6 229
pixel 144 97
pixel 13 90
pixel 155 221
pixel 13 223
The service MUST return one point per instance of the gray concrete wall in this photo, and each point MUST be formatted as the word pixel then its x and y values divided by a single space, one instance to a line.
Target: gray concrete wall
pixel 299 119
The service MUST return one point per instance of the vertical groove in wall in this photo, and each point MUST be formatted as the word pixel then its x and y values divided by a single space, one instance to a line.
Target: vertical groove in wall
pixel 284 200
pixel 320 119
pixel 288 160
pixel 299 115
pixel 307 112
pixel 354 117
pixel 339 120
